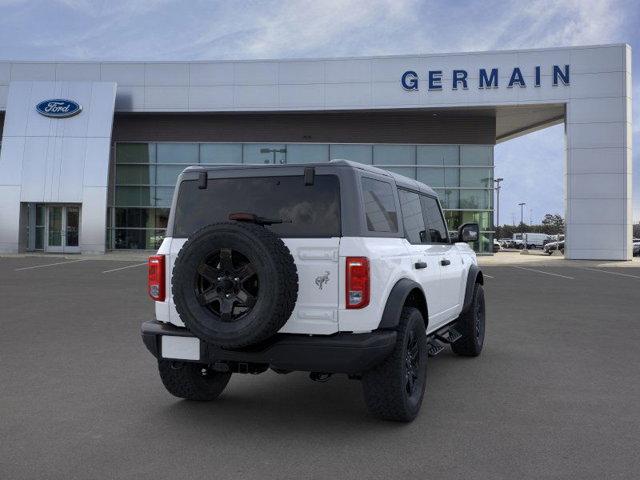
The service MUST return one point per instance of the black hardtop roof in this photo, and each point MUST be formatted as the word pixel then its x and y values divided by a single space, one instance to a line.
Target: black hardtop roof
pixel 400 180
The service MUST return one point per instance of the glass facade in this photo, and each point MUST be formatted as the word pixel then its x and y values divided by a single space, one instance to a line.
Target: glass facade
pixel 145 176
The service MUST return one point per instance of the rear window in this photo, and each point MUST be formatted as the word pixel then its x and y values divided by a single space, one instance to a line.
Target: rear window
pixel 379 206
pixel 306 211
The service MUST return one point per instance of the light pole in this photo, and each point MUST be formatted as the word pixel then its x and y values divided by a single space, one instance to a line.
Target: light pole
pixel 524 240
pixel 498 187
pixel 522 212
pixel 274 151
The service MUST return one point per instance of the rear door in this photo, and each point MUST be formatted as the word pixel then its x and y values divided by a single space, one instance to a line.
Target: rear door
pixel 450 262
pixel 425 257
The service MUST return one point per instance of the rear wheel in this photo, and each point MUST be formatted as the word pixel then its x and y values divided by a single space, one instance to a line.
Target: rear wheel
pixel 471 326
pixel 394 389
pixel 193 381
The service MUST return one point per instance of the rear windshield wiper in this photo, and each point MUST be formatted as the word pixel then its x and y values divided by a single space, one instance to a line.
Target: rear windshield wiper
pixel 253 218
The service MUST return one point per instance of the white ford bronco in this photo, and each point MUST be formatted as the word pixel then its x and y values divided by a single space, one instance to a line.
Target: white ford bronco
pixel 325 268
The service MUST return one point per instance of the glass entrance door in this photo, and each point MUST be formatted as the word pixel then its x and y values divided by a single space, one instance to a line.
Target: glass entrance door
pixel 54 230
pixel 72 229
pixel 62 229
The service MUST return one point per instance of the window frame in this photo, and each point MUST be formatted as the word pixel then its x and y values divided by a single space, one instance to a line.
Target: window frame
pixel 396 200
pixel 424 224
pixel 444 223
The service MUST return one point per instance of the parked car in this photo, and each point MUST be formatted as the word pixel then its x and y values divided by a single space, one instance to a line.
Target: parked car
pixel 554 238
pixel 496 246
pixel 532 240
pixel 636 247
pixel 553 246
pixel 324 268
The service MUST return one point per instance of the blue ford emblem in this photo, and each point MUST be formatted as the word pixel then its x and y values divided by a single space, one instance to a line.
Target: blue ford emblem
pixel 58 108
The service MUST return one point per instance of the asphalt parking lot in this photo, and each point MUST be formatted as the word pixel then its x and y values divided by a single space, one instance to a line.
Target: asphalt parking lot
pixel 555 394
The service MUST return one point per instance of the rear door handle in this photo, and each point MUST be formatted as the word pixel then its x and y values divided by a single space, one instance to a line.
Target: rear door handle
pixel 444 262
pixel 420 265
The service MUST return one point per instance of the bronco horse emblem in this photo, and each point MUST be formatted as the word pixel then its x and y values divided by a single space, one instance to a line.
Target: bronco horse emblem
pixel 322 279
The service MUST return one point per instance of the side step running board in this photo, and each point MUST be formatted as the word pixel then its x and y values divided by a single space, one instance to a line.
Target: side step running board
pixel 441 338
pixel 435 348
pixel 452 335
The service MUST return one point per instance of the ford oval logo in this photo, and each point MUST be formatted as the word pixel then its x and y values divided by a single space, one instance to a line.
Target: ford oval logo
pixel 58 108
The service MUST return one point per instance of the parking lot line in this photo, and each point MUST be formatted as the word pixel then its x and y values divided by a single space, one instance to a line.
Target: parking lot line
pixel 488 276
pixel 545 273
pixel 50 265
pixel 122 268
pixel 610 273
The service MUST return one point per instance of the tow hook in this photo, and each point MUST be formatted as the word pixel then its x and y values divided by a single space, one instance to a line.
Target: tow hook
pixel 320 376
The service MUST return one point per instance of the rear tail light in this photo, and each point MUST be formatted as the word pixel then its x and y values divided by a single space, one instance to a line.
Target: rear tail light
pixel 155 282
pixel 357 292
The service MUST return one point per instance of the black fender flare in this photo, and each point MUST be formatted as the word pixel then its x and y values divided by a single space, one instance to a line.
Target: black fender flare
pixel 397 299
pixel 474 276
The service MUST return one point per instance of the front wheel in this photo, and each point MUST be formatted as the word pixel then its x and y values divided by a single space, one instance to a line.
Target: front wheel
pixel 394 389
pixel 471 326
pixel 192 381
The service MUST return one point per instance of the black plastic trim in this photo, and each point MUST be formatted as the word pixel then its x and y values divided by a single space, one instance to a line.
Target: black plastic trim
pixel 474 276
pixel 339 353
pixel 397 298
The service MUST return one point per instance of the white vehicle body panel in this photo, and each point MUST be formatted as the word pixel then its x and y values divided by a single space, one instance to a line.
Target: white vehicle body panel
pixel 316 310
pixel 317 261
pixel 320 308
pixel 389 261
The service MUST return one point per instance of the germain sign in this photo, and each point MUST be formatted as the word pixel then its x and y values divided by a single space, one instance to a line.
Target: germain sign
pixel 58 108
pixel 487 78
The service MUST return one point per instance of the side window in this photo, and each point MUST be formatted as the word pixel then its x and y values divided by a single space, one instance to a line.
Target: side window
pixel 412 218
pixel 379 206
pixel 433 220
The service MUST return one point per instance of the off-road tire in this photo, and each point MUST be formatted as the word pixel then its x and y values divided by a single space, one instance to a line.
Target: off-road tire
pixel 192 381
pixel 277 277
pixel 471 325
pixel 385 386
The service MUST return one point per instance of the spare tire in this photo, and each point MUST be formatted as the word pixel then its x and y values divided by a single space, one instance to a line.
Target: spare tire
pixel 234 284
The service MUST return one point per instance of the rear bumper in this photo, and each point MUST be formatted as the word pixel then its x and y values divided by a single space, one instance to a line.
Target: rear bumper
pixel 340 353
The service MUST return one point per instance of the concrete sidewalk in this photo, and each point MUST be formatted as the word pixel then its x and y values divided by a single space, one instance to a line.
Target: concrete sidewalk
pixel 536 257
pixel 117 256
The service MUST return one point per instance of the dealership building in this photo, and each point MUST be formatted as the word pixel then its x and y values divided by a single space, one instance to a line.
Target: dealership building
pixel 90 151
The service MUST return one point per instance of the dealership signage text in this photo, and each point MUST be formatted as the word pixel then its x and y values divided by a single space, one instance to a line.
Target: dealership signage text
pixel 487 78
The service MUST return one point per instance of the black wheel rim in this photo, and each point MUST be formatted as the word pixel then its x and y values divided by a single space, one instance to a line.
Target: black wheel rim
pixel 412 364
pixel 227 284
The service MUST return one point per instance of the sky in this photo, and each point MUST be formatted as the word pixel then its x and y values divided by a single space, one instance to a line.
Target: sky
pixel 532 165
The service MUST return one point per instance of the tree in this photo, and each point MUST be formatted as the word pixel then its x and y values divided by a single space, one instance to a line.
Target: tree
pixel 553 220
pixel 552 224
